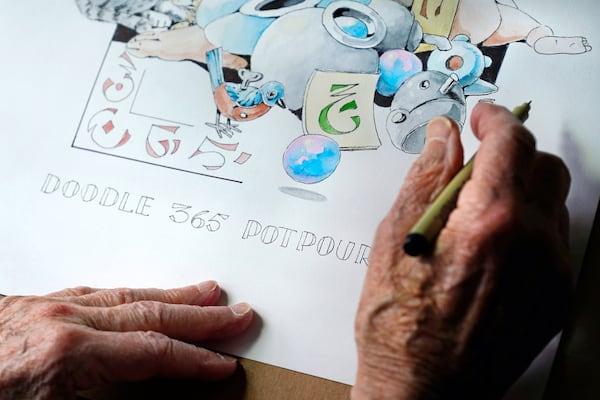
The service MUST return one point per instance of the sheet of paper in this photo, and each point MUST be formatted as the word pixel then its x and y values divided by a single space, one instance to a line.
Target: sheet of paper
pixel 117 169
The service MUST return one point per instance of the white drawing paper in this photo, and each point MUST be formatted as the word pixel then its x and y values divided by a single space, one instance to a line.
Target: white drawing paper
pixel 177 141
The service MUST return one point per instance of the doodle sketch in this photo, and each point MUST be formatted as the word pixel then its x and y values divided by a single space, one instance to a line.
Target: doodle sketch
pixel 328 63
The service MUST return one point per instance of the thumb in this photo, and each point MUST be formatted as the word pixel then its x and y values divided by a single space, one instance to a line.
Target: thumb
pixel 441 158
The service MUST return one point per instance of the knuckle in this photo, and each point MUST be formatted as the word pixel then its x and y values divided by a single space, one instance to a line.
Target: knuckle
pixel 156 343
pixel 417 189
pixel 61 339
pixel 56 310
pixel 123 295
pixel 152 313
pixel 423 173
pixel 490 224
pixel 74 291
pixel 150 306
pixel 81 290
pixel 175 296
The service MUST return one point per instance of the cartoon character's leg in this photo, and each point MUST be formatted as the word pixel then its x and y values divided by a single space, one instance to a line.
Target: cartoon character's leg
pixel 219 128
pixel 478 19
pixel 232 127
pixel 179 44
pixel 544 41
pixel 517 25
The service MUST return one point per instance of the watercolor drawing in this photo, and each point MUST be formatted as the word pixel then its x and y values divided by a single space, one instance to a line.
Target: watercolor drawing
pixel 329 63
pixel 239 101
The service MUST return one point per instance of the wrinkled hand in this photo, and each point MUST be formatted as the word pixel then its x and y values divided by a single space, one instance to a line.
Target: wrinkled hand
pixel 466 321
pixel 80 338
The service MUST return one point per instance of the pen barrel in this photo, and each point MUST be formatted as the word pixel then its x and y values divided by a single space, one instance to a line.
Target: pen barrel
pixel 421 238
pixel 434 219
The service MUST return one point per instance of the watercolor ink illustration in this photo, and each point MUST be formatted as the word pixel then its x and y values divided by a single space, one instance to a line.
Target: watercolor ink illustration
pixel 184 81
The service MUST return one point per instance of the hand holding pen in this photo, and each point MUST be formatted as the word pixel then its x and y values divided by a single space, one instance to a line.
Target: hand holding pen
pixel 467 318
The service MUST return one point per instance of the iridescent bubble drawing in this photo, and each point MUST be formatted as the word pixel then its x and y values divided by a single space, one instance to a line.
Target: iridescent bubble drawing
pixel 311 158
pixel 395 67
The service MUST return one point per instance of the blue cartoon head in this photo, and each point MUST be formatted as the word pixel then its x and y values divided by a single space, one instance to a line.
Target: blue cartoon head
pixel 272 93
pixel 467 62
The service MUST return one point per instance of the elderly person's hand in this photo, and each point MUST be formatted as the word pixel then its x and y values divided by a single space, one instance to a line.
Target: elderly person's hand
pixel 465 321
pixel 54 345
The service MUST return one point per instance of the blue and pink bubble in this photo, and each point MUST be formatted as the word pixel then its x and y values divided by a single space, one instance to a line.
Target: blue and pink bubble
pixel 395 67
pixel 311 158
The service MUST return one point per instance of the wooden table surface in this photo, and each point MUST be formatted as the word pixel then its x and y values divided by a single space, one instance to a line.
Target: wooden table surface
pixel 252 381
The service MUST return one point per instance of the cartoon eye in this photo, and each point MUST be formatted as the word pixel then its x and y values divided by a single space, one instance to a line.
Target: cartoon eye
pixel 398 118
pixel 424 85
pixel 272 94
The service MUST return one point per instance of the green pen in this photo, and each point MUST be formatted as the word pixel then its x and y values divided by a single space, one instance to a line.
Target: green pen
pixel 421 238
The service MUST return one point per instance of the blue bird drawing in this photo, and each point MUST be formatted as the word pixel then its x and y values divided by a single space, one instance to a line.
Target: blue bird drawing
pixel 239 101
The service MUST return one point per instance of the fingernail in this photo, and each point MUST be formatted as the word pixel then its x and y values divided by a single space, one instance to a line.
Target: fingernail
pixel 207 286
pixel 240 309
pixel 227 358
pixel 439 129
